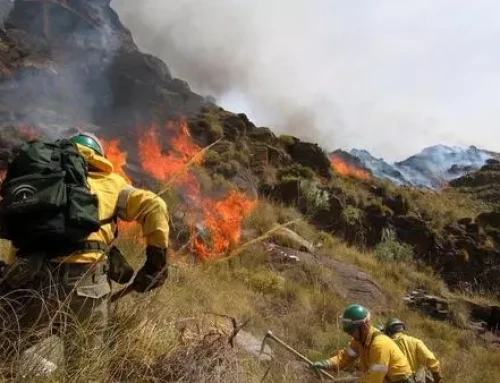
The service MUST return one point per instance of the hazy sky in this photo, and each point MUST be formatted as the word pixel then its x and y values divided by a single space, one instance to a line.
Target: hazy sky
pixel 389 76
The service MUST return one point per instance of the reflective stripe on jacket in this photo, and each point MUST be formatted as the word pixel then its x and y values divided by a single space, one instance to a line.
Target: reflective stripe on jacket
pixel 380 358
pixel 417 353
pixel 143 206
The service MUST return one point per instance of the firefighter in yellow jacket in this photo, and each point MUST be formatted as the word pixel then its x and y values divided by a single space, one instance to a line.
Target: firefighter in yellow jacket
pixel 72 290
pixel 415 350
pixel 380 358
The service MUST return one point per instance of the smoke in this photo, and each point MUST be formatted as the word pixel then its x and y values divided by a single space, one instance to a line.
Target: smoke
pixel 68 82
pixel 253 52
pixel 5 8
pixel 341 73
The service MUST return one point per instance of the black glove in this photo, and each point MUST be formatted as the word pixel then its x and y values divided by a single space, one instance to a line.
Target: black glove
pixel 438 378
pixel 119 269
pixel 154 272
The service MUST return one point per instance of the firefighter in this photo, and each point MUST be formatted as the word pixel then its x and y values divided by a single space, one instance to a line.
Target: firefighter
pixel 417 353
pixel 380 358
pixel 72 290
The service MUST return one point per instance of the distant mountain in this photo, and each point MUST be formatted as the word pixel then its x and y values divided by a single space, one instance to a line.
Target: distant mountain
pixel 432 168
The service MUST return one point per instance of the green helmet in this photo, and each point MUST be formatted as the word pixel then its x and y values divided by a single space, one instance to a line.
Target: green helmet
pixel 89 140
pixel 354 316
pixel 392 323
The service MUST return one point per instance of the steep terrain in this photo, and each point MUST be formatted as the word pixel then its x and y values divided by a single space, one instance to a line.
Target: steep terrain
pixel 231 188
pixel 483 184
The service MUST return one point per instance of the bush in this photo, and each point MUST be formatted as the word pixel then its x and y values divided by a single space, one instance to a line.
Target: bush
pixel 287 140
pixel 315 198
pixel 212 158
pixel 263 281
pixel 390 249
pixel 352 215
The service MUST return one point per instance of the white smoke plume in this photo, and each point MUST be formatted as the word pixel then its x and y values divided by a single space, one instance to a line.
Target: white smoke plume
pixel 390 76
pixel 5 7
pixel 70 83
pixel 226 48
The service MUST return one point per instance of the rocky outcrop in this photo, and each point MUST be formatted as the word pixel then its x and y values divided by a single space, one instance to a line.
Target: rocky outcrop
pixel 348 281
pixel 483 184
pixel 312 156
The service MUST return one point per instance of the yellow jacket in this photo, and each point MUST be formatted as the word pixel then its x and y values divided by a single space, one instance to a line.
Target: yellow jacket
pixel 380 358
pixel 417 353
pixel 118 198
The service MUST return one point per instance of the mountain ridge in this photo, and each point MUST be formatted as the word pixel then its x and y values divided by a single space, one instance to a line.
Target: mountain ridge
pixel 432 168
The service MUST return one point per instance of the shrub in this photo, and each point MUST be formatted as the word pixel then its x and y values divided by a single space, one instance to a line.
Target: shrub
pixel 352 215
pixel 315 198
pixel 287 140
pixel 264 281
pixel 390 249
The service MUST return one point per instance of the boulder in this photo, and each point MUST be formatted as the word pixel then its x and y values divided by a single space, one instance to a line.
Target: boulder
pixel 415 232
pixel 376 218
pixel 398 204
pixel 491 220
pixel 311 155
pixel 350 283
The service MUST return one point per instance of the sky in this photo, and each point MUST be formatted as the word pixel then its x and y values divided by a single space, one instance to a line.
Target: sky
pixel 388 76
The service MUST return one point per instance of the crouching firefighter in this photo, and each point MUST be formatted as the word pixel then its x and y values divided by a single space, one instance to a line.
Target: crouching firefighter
pixel 59 208
pixel 415 350
pixel 380 358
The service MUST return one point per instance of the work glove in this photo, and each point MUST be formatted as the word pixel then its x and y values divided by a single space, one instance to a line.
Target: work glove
pixel 438 378
pixel 155 270
pixel 119 269
pixel 321 365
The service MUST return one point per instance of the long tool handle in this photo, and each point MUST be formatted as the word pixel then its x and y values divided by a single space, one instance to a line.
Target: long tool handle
pixel 297 354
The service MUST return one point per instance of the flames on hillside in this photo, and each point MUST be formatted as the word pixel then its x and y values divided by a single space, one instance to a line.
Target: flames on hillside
pixel 220 220
pixel 215 224
pixel 346 168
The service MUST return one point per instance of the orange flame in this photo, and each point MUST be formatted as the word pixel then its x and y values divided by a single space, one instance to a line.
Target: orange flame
pixel 222 219
pixel 115 155
pixel 164 166
pixel 345 169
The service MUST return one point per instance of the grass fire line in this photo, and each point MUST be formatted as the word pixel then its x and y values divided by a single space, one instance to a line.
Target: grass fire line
pixel 222 218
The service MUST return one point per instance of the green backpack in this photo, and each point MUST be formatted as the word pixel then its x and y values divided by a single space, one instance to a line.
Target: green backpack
pixel 47 205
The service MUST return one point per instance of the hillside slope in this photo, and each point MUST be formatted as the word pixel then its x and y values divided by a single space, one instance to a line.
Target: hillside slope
pixel 229 185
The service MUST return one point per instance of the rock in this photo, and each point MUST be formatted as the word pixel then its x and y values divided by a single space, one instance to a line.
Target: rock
pixel 398 204
pixel 464 221
pixel 329 218
pixel 491 219
pixel 263 135
pixel 311 155
pixel 233 126
pixel 352 284
pixel 253 345
pixel 432 305
pixel 415 232
pixel 292 237
pixel 376 218
pixel 287 191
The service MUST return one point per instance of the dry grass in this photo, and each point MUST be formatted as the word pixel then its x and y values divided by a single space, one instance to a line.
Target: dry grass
pixel 442 208
pixel 158 337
